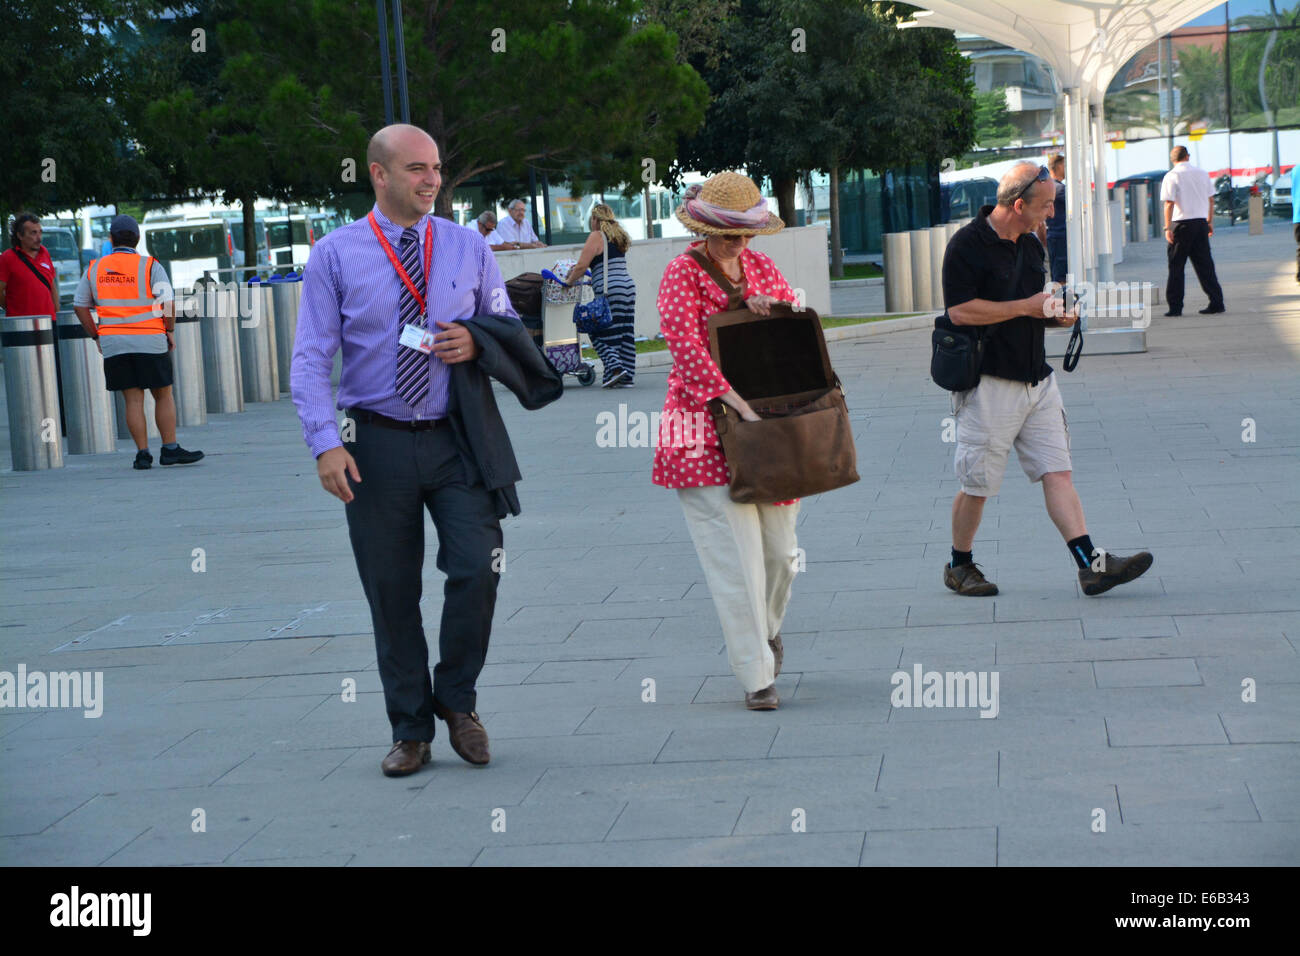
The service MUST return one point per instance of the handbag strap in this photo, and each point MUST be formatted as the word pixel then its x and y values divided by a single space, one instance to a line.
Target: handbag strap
pixel 735 294
pixel 35 271
pixel 604 258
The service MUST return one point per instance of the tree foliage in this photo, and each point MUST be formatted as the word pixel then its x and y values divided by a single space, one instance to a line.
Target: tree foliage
pixel 63 75
pixel 807 84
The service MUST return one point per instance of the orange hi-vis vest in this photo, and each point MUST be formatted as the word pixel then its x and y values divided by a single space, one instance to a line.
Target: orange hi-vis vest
pixel 123 297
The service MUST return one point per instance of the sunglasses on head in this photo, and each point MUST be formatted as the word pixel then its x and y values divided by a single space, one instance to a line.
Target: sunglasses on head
pixel 1043 176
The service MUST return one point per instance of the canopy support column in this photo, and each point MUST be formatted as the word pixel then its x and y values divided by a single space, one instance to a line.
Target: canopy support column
pixel 1101 200
pixel 1073 194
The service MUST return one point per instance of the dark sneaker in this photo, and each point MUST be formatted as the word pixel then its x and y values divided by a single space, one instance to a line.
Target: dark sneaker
pixel 178 456
pixel 1173 313
pixel 143 460
pixel 968 580
pixel 1212 310
pixel 1118 571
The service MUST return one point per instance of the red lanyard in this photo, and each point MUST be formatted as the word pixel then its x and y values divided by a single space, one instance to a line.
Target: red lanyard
pixel 401 271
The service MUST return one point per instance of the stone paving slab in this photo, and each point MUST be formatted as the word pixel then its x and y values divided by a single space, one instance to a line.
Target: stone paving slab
pixel 224 688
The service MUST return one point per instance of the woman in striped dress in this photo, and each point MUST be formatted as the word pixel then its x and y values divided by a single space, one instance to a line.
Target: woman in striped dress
pixel 615 345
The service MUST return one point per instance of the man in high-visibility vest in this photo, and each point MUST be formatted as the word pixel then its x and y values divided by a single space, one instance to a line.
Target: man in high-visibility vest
pixel 134 300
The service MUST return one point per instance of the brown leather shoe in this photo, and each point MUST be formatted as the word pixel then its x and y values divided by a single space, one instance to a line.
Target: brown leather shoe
pixel 764 699
pixel 468 738
pixel 969 580
pixel 778 653
pixel 406 757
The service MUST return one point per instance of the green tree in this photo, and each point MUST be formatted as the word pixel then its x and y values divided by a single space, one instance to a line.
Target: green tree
pixel 993 126
pixel 62 75
pixel 228 108
pixel 831 85
pixel 550 84
pixel 1202 91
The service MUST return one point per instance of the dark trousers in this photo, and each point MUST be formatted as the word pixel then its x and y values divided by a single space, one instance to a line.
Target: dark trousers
pixel 1056 253
pixel 1191 241
pixel 402 474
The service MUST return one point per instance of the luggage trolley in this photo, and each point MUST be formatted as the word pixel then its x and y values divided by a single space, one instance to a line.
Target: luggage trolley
pixel 561 343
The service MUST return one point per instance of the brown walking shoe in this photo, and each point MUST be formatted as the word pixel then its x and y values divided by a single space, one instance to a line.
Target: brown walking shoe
pixel 968 580
pixel 778 653
pixel 1118 571
pixel 764 699
pixel 468 737
pixel 406 757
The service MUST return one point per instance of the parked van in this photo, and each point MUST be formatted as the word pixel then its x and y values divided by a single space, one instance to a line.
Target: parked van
pixel 290 237
pixel 62 244
pixel 1282 195
pixel 189 245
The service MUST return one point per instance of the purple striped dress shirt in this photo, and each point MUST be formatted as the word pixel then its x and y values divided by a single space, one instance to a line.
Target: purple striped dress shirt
pixel 350 297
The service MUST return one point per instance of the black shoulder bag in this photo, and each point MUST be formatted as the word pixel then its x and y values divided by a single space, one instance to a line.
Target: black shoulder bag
pixel 956 352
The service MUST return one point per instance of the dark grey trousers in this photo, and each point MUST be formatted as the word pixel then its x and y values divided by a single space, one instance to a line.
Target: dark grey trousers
pixel 402 474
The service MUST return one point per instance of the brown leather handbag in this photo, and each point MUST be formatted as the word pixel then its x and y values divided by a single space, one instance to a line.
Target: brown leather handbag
pixel 779 364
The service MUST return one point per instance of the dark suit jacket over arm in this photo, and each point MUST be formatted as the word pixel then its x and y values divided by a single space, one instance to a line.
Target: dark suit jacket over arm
pixel 507 354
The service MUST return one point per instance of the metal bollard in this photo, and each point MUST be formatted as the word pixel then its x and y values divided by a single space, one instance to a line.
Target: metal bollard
pixel 87 402
pixel 286 292
pixel 257 348
pixel 1141 213
pixel 150 416
pixel 920 252
pixel 31 392
pixel 1117 238
pixel 938 246
pixel 896 247
pixel 1119 198
pixel 188 388
pixel 219 327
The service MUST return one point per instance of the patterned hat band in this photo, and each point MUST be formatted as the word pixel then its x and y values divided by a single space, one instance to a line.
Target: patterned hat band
pixel 755 217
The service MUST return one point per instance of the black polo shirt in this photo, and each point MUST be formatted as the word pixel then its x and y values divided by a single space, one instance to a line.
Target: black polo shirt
pixel 978 264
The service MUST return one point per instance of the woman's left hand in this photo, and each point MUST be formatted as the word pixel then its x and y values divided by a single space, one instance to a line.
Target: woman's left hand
pixel 761 304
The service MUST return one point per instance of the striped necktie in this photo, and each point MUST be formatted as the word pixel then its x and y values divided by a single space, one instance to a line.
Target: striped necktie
pixel 412 364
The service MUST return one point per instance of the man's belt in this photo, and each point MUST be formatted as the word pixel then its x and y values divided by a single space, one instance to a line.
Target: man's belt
pixel 367 417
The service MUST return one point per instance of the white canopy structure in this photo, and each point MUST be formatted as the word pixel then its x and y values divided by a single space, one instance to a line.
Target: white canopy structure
pixel 1085 42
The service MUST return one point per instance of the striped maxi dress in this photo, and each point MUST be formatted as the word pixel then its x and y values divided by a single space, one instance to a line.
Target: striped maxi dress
pixel 616 345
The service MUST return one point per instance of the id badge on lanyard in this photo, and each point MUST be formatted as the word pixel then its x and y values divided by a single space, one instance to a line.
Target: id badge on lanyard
pixel 413 336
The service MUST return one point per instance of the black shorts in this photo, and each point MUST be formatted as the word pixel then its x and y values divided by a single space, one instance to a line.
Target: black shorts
pixel 138 370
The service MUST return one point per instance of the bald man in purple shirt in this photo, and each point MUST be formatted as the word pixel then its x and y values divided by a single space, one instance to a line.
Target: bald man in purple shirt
pixel 388 290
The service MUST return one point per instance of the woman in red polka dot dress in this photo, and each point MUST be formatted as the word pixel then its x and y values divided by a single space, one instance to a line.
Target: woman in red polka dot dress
pixel 747 551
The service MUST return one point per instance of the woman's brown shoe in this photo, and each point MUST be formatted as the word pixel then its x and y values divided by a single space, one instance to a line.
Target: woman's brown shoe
pixel 764 699
pixel 778 653
pixel 406 757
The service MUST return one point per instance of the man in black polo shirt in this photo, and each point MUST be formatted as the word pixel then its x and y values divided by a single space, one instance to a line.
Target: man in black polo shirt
pixel 993 279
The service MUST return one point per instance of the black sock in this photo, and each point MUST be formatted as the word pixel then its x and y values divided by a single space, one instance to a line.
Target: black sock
pixel 961 557
pixel 1081 550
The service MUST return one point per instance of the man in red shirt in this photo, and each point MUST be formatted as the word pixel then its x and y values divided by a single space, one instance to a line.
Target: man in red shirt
pixel 27 278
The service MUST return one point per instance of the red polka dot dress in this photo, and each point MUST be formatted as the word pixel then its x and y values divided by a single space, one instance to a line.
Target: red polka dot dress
pixel 688 453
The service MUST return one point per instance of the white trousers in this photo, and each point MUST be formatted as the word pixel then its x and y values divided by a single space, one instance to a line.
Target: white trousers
pixel 748 555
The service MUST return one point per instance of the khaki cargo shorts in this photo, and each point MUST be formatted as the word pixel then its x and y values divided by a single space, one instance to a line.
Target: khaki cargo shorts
pixel 999 413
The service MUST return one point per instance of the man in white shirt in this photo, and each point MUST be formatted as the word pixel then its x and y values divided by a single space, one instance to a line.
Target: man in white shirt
pixel 1188 198
pixel 515 232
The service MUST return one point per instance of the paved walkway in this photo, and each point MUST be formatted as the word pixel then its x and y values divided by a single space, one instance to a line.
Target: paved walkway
pixel 224 682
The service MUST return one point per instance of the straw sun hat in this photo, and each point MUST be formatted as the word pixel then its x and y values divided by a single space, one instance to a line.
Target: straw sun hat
pixel 727 204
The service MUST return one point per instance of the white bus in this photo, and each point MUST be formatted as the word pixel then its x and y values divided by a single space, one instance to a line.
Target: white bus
pixel 193 238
